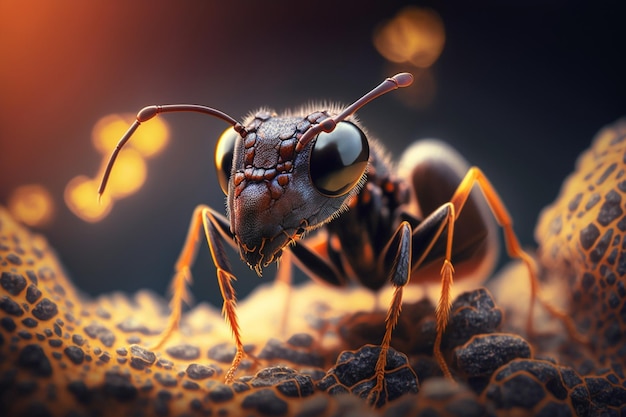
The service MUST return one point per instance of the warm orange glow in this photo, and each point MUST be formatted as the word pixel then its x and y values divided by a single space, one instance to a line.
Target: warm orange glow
pixel 31 205
pixel 148 140
pixel 415 35
pixel 81 196
pixel 128 175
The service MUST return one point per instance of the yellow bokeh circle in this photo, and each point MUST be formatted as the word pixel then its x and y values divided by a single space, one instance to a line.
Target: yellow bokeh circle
pixel 81 196
pixel 31 204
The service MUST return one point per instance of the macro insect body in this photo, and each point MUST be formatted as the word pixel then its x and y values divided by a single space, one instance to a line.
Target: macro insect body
pixel 286 175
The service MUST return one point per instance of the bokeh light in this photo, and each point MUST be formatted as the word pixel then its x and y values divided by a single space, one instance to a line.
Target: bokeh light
pixel 151 138
pixel 31 204
pixel 81 196
pixel 414 38
pixel 148 141
pixel 415 35
pixel 129 174
pixel 107 132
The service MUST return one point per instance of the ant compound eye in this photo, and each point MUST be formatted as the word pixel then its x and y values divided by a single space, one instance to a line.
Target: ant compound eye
pixel 338 159
pixel 224 150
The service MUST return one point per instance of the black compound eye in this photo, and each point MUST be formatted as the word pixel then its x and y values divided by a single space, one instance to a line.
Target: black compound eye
pixel 224 150
pixel 339 159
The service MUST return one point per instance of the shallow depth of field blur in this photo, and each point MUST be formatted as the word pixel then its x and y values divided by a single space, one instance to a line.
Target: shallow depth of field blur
pixel 519 90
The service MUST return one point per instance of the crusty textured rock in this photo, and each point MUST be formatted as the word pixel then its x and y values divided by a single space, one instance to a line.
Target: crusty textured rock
pixel 582 245
pixel 485 353
pixel 542 388
pixel 354 373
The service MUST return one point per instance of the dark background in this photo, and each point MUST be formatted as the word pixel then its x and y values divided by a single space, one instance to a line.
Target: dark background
pixel 520 91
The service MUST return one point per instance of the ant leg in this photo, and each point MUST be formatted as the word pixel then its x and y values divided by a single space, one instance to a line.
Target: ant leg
pixel 396 258
pixel 476 177
pixel 182 277
pixel 213 226
pixel 216 231
pixel 425 236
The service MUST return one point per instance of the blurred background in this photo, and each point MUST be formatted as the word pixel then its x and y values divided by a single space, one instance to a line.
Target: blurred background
pixel 520 90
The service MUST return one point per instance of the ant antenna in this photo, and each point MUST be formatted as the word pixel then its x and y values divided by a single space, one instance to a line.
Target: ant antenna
pixel 403 79
pixel 148 113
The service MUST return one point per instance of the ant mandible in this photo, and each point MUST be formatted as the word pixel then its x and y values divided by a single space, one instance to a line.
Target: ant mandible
pixel 286 175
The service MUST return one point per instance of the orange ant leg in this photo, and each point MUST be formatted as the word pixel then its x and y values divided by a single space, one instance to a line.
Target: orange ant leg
pixel 476 177
pixel 216 231
pixel 424 238
pixel 447 217
pixel 182 277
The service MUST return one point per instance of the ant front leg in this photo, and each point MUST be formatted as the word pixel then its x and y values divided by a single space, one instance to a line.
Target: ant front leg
pixel 216 231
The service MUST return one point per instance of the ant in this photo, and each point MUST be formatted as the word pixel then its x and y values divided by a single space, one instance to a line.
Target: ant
pixel 286 175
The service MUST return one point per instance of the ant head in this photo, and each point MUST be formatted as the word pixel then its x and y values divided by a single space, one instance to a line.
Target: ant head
pixel 292 173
